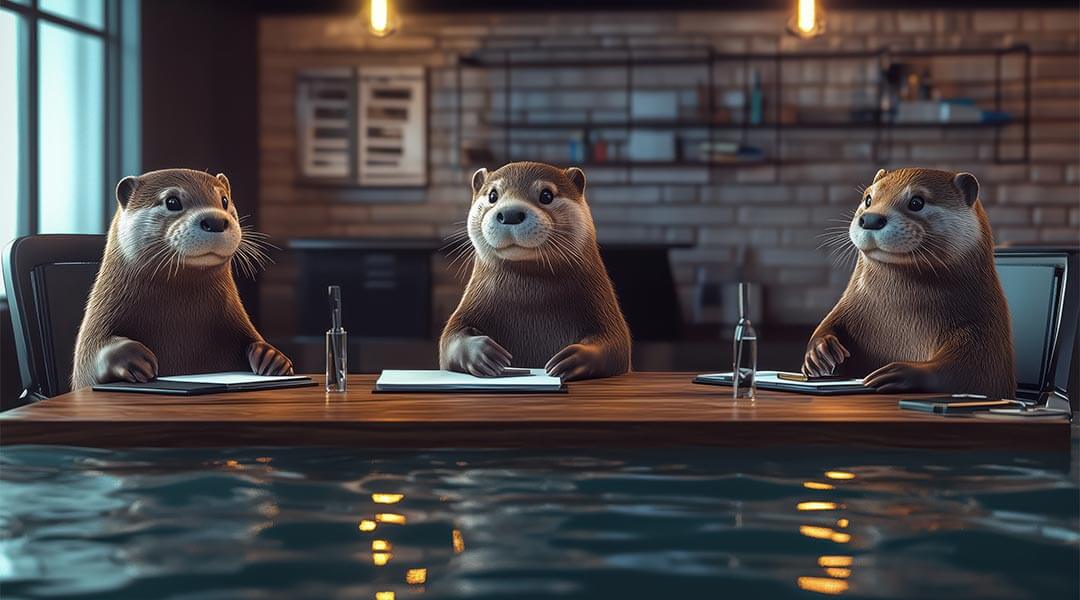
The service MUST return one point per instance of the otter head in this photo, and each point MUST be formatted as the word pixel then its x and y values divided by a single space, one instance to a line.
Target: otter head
pixel 529 211
pixel 913 216
pixel 178 215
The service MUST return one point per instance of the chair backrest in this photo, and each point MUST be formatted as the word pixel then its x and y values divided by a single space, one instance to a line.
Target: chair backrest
pixel 1040 286
pixel 48 280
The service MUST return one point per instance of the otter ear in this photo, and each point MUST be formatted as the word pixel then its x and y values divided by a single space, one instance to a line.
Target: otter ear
pixel 478 179
pixel 880 174
pixel 126 189
pixel 223 179
pixel 968 186
pixel 576 177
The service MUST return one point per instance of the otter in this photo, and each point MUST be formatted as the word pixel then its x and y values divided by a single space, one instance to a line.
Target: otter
pixel 164 301
pixel 924 310
pixel 539 293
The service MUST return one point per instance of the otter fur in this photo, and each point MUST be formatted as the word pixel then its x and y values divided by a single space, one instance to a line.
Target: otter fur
pixel 164 301
pixel 539 293
pixel 924 310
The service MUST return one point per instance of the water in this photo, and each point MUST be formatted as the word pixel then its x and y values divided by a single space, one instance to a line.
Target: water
pixel 310 523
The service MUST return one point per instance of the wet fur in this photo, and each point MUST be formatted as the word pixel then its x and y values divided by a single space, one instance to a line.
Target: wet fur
pixel 535 308
pixel 191 319
pixel 946 308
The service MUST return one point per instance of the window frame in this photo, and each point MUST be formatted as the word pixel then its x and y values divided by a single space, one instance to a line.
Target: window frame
pixel 121 110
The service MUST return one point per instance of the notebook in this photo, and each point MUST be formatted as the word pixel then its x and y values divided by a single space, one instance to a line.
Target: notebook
pixel 208 383
pixel 768 380
pixel 516 381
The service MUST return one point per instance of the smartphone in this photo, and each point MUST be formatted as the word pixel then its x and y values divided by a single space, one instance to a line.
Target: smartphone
pixel 950 405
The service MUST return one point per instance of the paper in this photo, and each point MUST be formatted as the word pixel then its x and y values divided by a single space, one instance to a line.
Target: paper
pixel 770 377
pixel 230 378
pixel 532 379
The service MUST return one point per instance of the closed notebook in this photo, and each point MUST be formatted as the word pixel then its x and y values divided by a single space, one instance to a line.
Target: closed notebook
pixel 208 383
pixel 516 381
pixel 769 380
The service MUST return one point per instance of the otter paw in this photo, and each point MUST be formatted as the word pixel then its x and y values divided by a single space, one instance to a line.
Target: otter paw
pixel 823 355
pixel 268 360
pixel 576 361
pixel 902 377
pixel 482 356
pixel 126 360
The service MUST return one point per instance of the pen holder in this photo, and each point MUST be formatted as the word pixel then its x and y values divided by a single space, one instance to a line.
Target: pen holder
pixel 336 360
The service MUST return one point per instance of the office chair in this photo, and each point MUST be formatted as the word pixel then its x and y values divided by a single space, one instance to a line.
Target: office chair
pixel 1041 287
pixel 48 279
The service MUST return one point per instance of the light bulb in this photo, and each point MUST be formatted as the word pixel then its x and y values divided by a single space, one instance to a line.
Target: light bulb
pixel 807 21
pixel 379 20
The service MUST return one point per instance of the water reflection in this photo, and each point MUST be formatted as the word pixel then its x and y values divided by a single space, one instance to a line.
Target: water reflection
pixel 415 576
pixel 387 498
pixel 823 585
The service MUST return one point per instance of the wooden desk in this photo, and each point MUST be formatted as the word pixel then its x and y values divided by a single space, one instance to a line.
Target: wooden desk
pixel 636 410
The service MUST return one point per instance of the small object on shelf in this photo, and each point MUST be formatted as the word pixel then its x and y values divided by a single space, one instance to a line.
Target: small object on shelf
pixel 646 145
pixel 576 148
pixel 654 105
pixel 756 100
pixel 600 150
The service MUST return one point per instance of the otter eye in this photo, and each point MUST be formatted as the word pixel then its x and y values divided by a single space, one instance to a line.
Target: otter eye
pixel 225 202
pixel 916 203
pixel 546 196
pixel 173 203
pixel 493 196
pixel 866 201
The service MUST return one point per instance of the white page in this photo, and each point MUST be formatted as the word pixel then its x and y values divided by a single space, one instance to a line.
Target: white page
pixel 771 377
pixel 230 378
pixel 536 378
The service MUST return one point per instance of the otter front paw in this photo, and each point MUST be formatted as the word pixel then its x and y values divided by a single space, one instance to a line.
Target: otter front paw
pixel 576 361
pixel 824 354
pixel 480 356
pixel 902 377
pixel 268 360
pixel 126 360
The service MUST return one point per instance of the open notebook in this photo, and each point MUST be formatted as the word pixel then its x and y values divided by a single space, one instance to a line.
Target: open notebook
pixel 208 383
pixel 516 381
pixel 768 380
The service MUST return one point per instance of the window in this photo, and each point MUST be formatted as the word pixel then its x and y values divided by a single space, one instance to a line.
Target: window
pixel 69 106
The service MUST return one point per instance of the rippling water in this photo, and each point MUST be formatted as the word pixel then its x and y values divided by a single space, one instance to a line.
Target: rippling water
pixel 320 523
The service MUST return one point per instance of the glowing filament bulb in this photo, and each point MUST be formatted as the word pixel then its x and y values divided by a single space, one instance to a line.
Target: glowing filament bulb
pixel 380 17
pixel 806 20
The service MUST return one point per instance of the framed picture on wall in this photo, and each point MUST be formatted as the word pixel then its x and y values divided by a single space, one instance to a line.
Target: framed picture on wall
pixel 363 126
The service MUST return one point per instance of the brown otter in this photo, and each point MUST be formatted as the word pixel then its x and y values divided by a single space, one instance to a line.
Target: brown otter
pixel 164 302
pixel 539 293
pixel 924 310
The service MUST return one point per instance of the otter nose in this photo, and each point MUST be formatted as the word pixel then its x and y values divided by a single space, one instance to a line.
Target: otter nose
pixel 510 216
pixel 214 225
pixel 872 221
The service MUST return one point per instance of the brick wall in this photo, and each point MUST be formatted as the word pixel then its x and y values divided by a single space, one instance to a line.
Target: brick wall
pixel 774 213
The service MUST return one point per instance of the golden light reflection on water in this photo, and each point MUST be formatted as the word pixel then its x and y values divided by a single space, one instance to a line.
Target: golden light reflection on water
pixel 823 585
pixel 842 523
pixel 387 498
pixel 415 576
pixel 366 525
pixel 835 561
pixel 840 538
pixel 380 546
pixel 839 475
pixel 457 541
pixel 384 595
pixel 394 518
pixel 817 485
pixel 824 533
pixel 381 558
pixel 816 506
pixel 838 572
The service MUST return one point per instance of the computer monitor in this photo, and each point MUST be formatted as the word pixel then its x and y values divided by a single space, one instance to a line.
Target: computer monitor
pixel 1037 283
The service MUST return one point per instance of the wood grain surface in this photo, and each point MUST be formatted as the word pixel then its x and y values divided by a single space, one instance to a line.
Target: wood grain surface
pixel 633 410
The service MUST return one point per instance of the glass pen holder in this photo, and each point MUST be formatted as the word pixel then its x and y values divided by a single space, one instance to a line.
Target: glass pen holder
pixel 337 361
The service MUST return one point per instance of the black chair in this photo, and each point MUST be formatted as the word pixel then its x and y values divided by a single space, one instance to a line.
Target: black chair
pixel 48 280
pixel 1041 287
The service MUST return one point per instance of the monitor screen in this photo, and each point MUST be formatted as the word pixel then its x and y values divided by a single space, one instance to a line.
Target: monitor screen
pixel 1033 290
